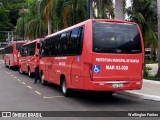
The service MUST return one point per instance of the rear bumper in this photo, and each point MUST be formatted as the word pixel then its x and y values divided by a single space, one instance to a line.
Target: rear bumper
pixel 108 85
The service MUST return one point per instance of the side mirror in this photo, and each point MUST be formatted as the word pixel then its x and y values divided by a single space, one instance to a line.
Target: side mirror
pixel 38 45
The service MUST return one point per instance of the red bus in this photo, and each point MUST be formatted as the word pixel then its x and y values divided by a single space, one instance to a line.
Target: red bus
pixel 11 57
pixel 95 55
pixel 26 60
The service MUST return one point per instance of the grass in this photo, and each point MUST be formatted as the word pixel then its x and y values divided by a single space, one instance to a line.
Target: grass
pixel 149 76
pixel 150 61
pixel 152 77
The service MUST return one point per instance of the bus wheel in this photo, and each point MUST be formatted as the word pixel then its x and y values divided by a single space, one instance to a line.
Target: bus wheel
pixel 29 73
pixel 20 70
pixel 43 81
pixel 66 92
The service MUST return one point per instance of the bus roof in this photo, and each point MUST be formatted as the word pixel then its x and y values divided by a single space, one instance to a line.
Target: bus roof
pixel 33 41
pixel 89 20
pixel 14 42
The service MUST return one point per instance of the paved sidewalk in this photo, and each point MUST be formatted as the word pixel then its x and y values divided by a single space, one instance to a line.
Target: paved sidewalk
pixel 154 68
pixel 149 91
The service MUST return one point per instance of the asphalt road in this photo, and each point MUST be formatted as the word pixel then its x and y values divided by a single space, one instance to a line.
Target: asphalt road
pixel 18 93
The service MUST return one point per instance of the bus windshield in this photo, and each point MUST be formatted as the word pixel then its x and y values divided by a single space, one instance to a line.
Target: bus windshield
pixel 116 38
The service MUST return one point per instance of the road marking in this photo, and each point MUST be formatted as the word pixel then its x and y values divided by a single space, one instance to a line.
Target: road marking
pixel 19 80
pixel 12 75
pixel 29 87
pixel 23 83
pixel 53 97
pixel 15 77
pixel 37 92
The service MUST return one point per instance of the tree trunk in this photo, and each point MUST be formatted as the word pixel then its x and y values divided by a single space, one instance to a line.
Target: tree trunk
pixel 158 55
pixel 49 26
pixel 119 9
pixel 91 9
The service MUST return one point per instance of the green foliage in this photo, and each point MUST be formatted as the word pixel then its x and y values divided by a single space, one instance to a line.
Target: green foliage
pixel 4 19
pixel 148 76
pixel 62 13
pixel 101 6
pixel 146 71
pixel 144 13
pixel 150 62
pixel 152 77
pixel 9 10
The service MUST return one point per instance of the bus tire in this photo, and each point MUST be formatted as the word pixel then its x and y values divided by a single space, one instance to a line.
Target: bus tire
pixel 29 73
pixel 66 92
pixel 20 70
pixel 43 81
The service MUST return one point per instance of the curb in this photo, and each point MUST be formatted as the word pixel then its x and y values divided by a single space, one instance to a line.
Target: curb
pixel 140 95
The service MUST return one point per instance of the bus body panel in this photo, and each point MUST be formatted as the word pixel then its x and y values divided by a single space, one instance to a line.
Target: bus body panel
pixel 117 67
pixel 108 86
pixel 27 60
pixel 70 67
pixel 48 71
pixel 42 67
pixel 92 70
pixel 11 57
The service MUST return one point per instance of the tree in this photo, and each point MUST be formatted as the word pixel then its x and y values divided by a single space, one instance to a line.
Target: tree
pixel 13 6
pixel 47 6
pixel 103 9
pixel 34 24
pixel 59 14
pixel 4 19
pixel 158 16
pixel 9 15
pixel 144 13
pixel 119 7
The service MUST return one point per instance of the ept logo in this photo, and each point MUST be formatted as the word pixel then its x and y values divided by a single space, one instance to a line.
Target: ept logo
pixel 96 68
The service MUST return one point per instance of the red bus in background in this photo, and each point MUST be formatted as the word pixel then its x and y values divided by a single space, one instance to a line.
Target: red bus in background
pixel 26 60
pixel 95 55
pixel 11 54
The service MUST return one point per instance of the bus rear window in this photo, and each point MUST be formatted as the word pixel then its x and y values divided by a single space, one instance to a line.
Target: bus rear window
pixel 116 38
pixel 18 46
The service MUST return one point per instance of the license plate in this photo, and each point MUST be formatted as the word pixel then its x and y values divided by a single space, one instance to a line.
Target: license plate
pixel 117 85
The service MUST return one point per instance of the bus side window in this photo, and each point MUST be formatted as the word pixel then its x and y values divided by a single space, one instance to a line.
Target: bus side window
pixel 63 47
pixel 55 45
pixel 75 41
pixel 42 48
